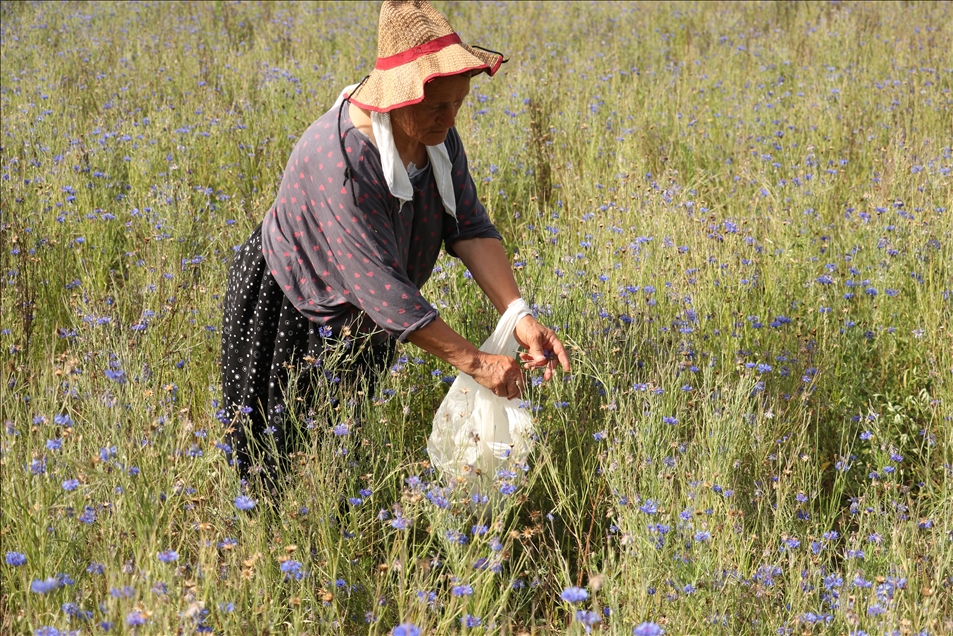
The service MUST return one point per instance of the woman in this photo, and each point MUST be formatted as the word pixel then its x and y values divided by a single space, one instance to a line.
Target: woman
pixel 372 191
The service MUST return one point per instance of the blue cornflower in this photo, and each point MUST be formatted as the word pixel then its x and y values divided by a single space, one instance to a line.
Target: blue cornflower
pixel 292 569
pixel 574 595
pixel 126 591
pixel 135 619
pixel 471 621
pixel 703 536
pixel 649 507
pixel 462 590
pixel 668 419
pixel 647 629
pixel 70 485
pixel 42 587
pixel 16 559
pixel 168 556
pixel 243 502
pixel 46 630
pixel 54 444
pixel 406 629
pixel 588 618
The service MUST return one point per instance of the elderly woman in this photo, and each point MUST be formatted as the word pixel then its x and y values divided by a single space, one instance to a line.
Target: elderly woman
pixel 372 191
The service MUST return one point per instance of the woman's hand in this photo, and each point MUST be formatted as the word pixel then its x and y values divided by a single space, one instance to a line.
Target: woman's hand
pixel 500 374
pixel 543 348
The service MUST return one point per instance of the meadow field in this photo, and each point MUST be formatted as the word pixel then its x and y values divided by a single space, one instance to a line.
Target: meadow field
pixel 737 216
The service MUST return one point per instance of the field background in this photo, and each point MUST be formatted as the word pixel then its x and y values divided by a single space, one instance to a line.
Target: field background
pixel 738 217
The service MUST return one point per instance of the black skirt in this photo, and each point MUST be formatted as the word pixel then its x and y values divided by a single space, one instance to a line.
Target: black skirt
pixel 264 339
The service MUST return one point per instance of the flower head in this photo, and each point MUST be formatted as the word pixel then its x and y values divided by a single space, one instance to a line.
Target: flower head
pixel 243 502
pixel 406 629
pixel 647 629
pixel 16 559
pixel 43 587
pixel 168 556
pixel 574 595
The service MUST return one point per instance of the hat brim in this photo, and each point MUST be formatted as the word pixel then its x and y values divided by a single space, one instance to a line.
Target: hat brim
pixel 383 91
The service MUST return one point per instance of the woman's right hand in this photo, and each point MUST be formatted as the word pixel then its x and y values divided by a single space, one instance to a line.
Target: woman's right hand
pixel 500 374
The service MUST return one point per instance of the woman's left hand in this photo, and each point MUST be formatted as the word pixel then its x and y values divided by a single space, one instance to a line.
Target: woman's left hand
pixel 543 348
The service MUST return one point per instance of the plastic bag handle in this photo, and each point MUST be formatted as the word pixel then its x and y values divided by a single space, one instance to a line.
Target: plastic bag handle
pixel 502 341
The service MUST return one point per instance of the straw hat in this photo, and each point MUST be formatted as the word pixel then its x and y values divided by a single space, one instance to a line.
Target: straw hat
pixel 415 44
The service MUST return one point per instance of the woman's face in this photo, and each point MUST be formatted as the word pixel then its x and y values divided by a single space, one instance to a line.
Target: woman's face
pixel 429 121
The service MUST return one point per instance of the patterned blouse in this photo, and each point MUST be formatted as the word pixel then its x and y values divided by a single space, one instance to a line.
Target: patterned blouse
pixel 344 250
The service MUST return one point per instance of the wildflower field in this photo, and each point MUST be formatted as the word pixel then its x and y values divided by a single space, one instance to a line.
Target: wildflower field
pixel 736 216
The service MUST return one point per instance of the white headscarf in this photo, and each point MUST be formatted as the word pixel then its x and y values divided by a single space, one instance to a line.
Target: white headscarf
pixel 398 181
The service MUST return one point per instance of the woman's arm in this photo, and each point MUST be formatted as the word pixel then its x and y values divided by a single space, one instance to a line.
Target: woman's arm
pixel 500 374
pixel 487 262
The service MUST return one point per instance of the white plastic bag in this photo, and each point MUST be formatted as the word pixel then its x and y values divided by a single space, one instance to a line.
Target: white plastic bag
pixel 474 431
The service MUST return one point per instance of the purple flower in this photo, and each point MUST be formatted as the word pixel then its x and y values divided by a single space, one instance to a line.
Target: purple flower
pixel 168 556
pixel 292 569
pixel 243 502
pixel 574 595
pixel 88 516
pixel 70 485
pixel 790 543
pixel 16 559
pixel 588 618
pixel 135 619
pixel 462 590
pixel 649 507
pixel 42 587
pixel 647 629
pixel 406 629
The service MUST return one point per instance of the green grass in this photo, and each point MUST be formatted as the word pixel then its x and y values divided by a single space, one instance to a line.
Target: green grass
pixel 673 181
